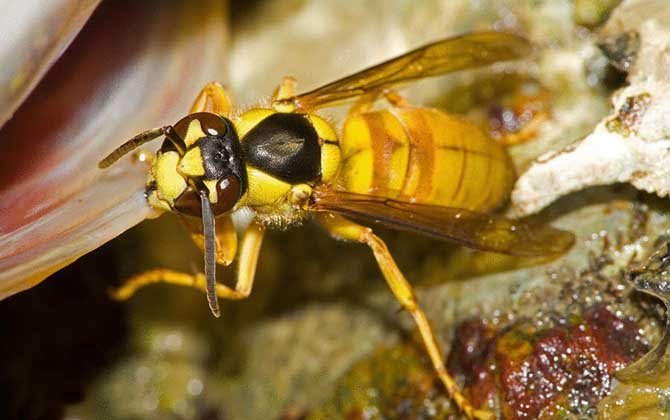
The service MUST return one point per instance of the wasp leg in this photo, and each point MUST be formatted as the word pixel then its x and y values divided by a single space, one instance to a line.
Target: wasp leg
pixel 226 237
pixel 342 228
pixel 396 99
pixel 282 97
pixel 364 103
pixel 285 90
pixel 246 269
pixel 213 98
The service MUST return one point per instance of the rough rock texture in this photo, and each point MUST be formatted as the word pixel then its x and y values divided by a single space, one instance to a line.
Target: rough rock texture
pixel 632 144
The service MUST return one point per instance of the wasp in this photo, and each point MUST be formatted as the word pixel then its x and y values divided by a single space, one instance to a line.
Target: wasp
pixel 410 168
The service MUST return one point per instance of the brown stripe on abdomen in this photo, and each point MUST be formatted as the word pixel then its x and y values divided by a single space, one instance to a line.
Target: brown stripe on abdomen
pixel 427 156
pixel 390 149
pixel 418 183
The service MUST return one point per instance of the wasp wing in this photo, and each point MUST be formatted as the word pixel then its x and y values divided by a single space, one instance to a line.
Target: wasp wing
pixel 475 230
pixel 452 54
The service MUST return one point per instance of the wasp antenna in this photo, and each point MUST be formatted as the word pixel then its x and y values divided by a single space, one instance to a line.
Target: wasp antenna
pixel 176 140
pixel 132 144
pixel 210 252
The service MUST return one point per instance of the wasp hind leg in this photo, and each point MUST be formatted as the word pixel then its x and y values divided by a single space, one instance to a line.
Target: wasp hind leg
pixel 367 101
pixel 396 99
pixel 283 95
pixel 342 228
pixel 213 98
pixel 364 103
pixel 246 270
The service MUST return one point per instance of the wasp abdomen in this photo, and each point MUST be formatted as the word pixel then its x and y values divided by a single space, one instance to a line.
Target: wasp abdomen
pixel 426 156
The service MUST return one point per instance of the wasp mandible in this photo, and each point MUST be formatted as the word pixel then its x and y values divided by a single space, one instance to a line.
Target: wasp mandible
pixel 409 168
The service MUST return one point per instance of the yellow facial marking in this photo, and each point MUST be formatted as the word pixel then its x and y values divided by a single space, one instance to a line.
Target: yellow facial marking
pixel 191 163
pixel 211 187
pixel 193 133
pixel 169 184
pixel 157 203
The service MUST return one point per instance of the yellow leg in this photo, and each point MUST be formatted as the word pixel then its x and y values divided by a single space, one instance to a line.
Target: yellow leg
pixel 342 228
pixel 286 89
pixel 363 103
pixel 396 99
pixel 282 95
pixel 226 237
pixel 246 270
pixel 213 98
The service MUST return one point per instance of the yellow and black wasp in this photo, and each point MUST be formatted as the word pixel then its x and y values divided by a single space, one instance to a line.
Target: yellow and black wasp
pixel 410 168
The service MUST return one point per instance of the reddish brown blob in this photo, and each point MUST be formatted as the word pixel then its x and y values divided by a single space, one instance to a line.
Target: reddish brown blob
pixel 518 118
pixel 537 374
pixel 471 357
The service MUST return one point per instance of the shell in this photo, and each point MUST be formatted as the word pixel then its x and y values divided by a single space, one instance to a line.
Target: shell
pixel 135 65
pixel 35 33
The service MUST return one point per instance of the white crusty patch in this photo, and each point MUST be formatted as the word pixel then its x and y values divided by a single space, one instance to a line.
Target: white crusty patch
pixel 639 154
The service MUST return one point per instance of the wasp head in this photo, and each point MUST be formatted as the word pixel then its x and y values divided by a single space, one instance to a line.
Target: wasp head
pixel 201 153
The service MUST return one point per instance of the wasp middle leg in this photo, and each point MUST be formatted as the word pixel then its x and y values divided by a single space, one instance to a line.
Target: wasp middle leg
pixel 341 228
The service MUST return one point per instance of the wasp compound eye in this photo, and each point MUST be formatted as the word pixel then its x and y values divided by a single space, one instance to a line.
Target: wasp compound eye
pixel 228 193
pixel 188 203
pixel 210 124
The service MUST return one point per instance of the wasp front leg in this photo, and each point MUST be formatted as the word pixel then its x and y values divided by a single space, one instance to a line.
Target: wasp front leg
pixel 342 228
pixel 226 237
pixel 213 98
pixel 246 270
